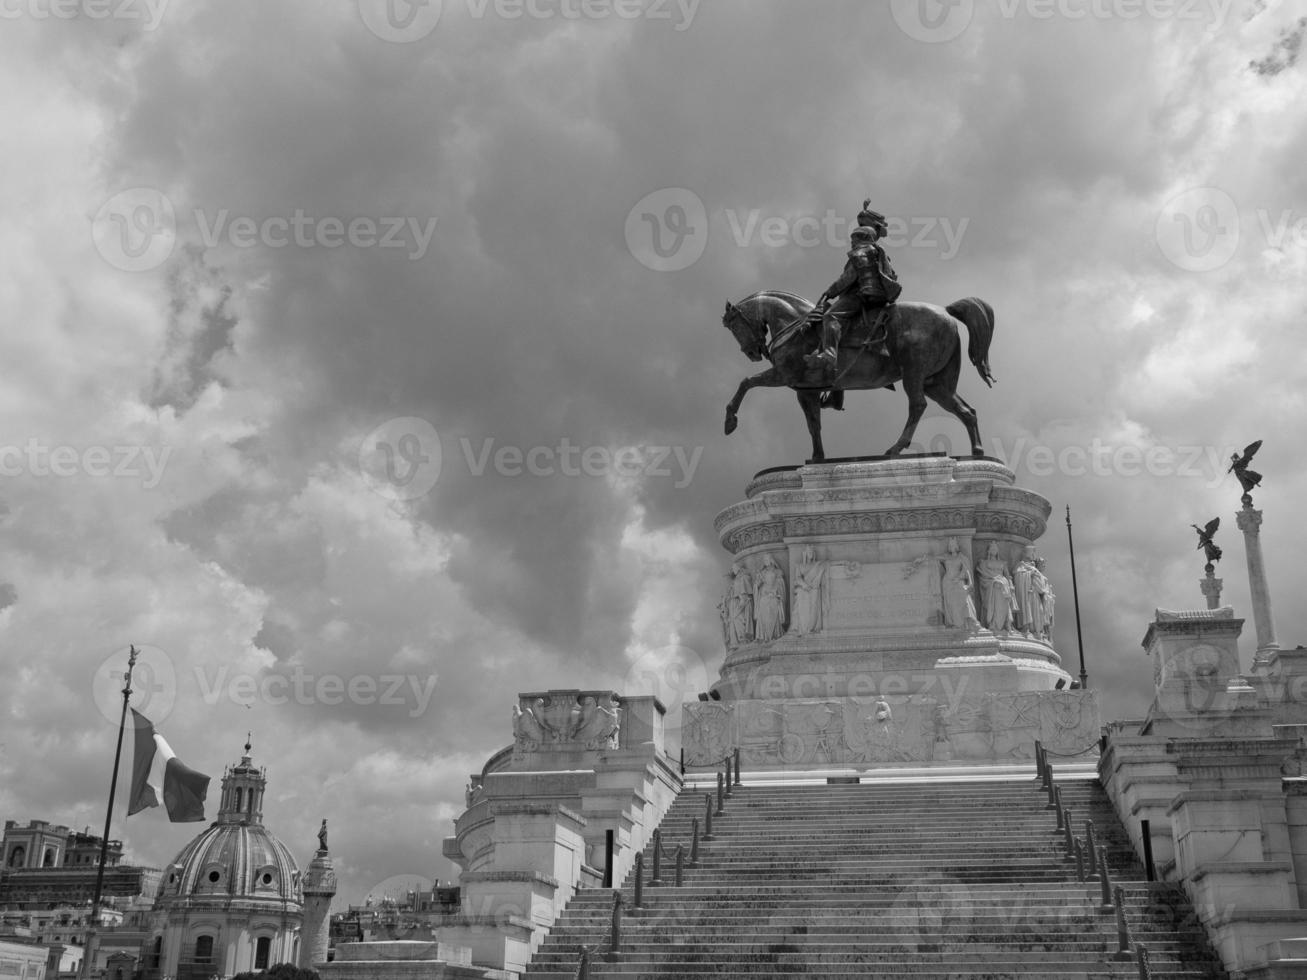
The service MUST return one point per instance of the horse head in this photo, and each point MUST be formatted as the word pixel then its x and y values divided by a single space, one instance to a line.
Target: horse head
pixel 750 334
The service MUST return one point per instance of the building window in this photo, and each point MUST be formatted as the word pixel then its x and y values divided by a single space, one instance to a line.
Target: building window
pixel 156 954
pixel 48 860
pixel 203 949
pixel 262 949
pixel 16 857
pixel 238 798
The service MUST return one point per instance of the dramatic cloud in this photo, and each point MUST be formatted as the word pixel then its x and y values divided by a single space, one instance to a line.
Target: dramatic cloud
pixel 345 376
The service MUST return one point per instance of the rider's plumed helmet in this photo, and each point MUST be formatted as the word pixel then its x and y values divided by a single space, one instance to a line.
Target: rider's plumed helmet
pixel 868 218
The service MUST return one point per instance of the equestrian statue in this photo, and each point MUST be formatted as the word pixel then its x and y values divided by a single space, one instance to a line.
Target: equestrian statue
pixel 859 336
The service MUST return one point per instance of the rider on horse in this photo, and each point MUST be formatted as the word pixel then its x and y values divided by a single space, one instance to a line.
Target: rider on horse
pixel 868 283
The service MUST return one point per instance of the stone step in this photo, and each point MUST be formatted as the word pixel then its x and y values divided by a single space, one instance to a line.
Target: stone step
pixel 799 964
pixel 964 879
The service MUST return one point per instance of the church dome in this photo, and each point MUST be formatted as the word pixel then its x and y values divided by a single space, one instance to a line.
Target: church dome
pixel 234 861
pixel 236 857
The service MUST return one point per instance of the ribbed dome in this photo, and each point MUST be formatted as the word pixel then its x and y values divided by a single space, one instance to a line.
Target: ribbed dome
pixel 232 860
pixel 236 858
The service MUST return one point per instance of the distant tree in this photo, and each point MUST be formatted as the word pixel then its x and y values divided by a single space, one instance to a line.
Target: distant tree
pixel 280 971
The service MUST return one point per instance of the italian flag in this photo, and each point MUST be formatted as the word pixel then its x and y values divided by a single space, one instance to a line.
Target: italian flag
pixel 158 774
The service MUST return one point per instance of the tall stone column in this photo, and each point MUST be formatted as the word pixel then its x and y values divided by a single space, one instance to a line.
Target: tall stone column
pixel 319 889
pixel 1250 523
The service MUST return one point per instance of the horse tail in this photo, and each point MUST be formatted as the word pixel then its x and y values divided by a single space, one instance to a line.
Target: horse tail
pixel 979 319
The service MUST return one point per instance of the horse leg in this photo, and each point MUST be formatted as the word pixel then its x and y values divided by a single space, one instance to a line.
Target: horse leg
pixel 810 402
pixel 766 379
pixel 914 388
pixel 951 401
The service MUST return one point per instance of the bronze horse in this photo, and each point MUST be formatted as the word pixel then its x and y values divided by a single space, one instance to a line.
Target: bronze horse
pixel 925 355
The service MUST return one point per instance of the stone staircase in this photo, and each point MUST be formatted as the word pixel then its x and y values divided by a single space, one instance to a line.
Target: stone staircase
pixel 925 879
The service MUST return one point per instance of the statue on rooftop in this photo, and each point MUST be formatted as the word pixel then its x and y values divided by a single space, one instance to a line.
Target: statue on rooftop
pixel 1248 479
pixel 1205 542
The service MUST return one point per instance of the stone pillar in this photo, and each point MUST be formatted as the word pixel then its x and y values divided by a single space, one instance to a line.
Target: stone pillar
pixel 1211 587
pixel 319 889
pixel 1250 523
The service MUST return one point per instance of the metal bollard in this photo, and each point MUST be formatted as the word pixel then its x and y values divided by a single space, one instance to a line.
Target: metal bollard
pixel 694 843
pixel 615 932
pixel 1106 881
pixel 657 877
pixel 1060 816
pixel 721 795
pixel 1080 861
pixel 1039 761
pixel 1051 789
pixel 680 865
pixel 1145 968
pixel 737 768
pixel 639 880
pixel 1122 929
pixel 707 816
pixel 583 964
pixel 1068 839
pixel 728 776
pixel 1091 846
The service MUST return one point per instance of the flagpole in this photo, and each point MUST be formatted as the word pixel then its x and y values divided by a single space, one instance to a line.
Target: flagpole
pixel 92 936
pixel 1075 595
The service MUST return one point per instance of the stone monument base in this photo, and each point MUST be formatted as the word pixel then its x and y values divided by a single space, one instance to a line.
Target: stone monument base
pixel 946 726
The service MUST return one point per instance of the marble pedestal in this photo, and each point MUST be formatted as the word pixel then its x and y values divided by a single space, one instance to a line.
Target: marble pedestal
pixel 877 655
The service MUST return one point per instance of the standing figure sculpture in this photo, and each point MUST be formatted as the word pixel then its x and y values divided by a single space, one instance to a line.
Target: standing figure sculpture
pixel 1205 542
pixel 322 837
pixel 954 586
pixel 867 286
pixel 810 594
pixel 1030 606
pixel 1248 479
pixel 998 604
pixel 1046 599
pixel 739 607
pixel 769 601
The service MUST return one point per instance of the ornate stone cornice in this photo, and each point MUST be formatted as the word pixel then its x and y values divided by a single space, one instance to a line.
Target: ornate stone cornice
pixel 879 522
pixel 753 535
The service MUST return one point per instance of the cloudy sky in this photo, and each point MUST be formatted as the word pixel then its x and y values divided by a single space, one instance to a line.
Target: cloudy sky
pixel 325 323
